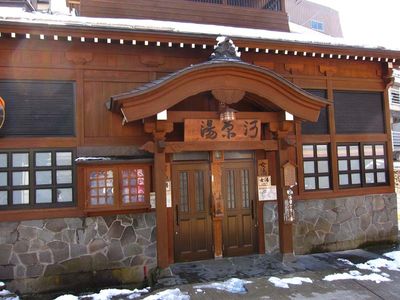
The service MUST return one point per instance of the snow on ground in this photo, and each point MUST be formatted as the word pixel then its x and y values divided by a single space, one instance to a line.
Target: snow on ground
pixel 284 282
pixel 233 285
pixel 171 294
pixel 356 275
pixel 7 295
pixel 2 284
pixel 108 294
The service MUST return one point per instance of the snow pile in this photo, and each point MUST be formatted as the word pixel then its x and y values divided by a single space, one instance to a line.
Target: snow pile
pixel 233 285
pixel 108 294
pixel 2 284
pixel 7 295
pixel 171 294
pixel 284 282
pixel 356 275
pixel 59 7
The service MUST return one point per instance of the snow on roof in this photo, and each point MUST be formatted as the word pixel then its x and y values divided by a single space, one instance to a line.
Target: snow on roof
pixel 8 15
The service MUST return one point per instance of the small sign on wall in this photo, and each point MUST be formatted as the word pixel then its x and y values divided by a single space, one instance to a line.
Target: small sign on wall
pixel 266 191
pixel 289 174
pixel 168 194
pixel 152 199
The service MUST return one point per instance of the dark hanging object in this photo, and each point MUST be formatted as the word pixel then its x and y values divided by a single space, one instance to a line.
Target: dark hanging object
pixel 2 112
pixel 225 50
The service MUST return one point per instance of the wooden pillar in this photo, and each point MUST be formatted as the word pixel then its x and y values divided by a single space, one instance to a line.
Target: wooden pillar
pixel 217 201
pixel 159 129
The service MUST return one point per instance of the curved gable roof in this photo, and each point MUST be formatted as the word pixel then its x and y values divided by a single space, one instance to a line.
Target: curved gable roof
pixel 217 74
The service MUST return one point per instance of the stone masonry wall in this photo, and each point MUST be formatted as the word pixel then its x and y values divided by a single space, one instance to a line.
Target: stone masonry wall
pixel 35 254
pixel 344 223
pixel 271 227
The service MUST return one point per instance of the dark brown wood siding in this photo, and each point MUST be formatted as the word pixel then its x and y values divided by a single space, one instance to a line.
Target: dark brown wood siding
pixel 359 112
pixel 38 108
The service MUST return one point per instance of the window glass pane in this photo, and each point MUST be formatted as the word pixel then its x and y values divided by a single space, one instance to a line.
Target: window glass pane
pixel 379 150
pixel 20 160
pixel 368 150
pixel 355 164
pixel 341 151
pixel 21 197
pixel 43 177
pixel 64 176
pixel 238 154
pixel 3 160
pixel 308 151
pixel 43 196
pixel 309 167
pixel 64 158
pixel 355 178
pixel 369 164
pixel 354 151
pixel 343 179
pixel 380 163
pixel 43 159
pixel 342 165
pixel 369 178
pixel 3 197
pixel 64 195
pixel 381 177
pixel 309 183
pixel 323 166
pixel 20 178
pixel 322 150
pixel 323 182
pixel 3 179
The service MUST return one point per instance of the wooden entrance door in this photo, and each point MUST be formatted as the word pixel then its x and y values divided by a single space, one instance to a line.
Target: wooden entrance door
pixel 238 190
pixel 192 218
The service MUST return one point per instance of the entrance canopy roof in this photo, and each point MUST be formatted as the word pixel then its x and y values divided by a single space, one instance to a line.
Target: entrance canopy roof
pixel 222 75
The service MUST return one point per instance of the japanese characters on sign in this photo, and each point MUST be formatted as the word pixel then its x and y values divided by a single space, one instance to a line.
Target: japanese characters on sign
pixel 217 130
pixel 266 191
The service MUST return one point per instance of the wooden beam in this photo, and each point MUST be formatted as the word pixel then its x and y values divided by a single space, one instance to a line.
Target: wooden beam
pixel 180 116
pixel 173 147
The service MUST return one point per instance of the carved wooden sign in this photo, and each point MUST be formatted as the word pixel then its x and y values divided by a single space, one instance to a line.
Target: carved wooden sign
pixel 216 130
pixel 289 174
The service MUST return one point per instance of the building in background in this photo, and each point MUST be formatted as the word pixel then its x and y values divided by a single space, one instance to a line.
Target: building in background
pixel 314 16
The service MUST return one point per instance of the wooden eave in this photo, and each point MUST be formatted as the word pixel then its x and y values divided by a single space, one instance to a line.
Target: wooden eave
pixel 164 37
pixel 164 93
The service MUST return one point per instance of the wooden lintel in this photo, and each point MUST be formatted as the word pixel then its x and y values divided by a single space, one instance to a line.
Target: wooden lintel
pixel 173 147
pixel 180 116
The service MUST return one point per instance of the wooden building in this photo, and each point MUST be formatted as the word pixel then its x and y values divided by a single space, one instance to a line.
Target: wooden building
pixel 130 144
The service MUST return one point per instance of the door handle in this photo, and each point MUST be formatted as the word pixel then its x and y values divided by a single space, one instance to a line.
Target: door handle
pixel 177 214
pixel 252 209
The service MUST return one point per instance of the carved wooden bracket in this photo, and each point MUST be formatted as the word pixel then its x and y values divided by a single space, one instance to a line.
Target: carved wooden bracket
pixel 79 58
pixel 148 146
pixel 294 68
pixel 328 70
pixel 283 126
pixel 152 60
pixel 228 96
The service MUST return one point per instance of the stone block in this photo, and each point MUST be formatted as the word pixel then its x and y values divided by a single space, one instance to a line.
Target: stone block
pixel 68 236
pixel 21 246
pixel 45 257
pixel 145 233
pixel 323 225
pixel 138 221
pixel 6 272
pixel 142 242
pixel 126 220
pixel 114 252
pixel 96 245
pixel 8 238
pixel 20 271
pixel 8 227
pixel 128 236
pixel 32 223
pixel 115 230
pixel 36 245
pixel 34 271
pixel 378 203
pixel 150 219
pixel 14 260
pixel 151 250
pixel 60 250
pixel 153 235
pixel 77 250
pixel 56 225
pixel 137 260
pixel 28 259
pixel 5 254
pixel 80 264
pixel 360 211
pixel 27 233
pixel 100 261
pixel 132 249
pixel 102 227
pixel 54 269
pixel 109 220
pixel 74 223
pixel 46 235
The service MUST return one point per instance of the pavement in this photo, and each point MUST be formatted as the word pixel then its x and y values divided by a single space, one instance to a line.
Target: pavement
pixel 259 268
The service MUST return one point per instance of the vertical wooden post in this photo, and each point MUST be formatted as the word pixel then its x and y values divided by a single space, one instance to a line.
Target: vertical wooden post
pixel 217 201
